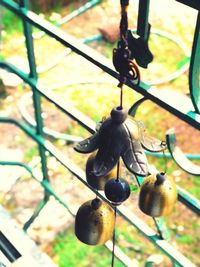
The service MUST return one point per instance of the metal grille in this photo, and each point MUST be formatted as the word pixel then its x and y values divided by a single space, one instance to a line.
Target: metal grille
pixel 189 115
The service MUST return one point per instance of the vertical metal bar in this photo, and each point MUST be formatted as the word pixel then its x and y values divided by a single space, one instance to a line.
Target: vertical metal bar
pixel 1 25
pixel 36 95
pixel 35 214
pixel 194 71
pixel 37 107
pixel 143 18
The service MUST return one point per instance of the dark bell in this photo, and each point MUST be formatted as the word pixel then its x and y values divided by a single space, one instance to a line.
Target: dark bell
pixel 94 222
pixel 97 182
pixel 117 190
pixel 157 195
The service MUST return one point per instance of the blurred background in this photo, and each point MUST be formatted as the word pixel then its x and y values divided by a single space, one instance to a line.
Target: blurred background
pixel 84 86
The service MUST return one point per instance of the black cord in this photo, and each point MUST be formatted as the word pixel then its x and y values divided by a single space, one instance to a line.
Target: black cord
pixel 124 2
pixel 114 239
pixel 118 168
pixel 121 97
pixel 165 161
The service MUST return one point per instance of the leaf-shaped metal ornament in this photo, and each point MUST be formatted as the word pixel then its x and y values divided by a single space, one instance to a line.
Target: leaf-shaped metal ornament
pixel 117 136
pixel 135 159
pixel 105 161
pixel 150 143
pixel 88 145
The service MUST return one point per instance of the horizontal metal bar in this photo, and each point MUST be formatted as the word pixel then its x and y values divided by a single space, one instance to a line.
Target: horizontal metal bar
pixel 191 3
pixel 187 114
pixel 188 200
pixel 11 253
pixel 169 250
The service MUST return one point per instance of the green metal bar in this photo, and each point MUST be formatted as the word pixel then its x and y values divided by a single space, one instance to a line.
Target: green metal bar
pixel 1 26
pixel 191 3
pixel 186 114
pixel 190 201
pixel 194 72
pixel 78 12
pixel 29 42
pixel 36 95
pixel 37 106
pixel 35 214
pixel 143 18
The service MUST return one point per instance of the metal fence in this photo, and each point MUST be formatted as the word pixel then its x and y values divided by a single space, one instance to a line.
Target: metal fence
pixel 190 116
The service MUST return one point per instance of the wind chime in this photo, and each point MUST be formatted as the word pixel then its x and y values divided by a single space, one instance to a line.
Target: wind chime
pixel 120 137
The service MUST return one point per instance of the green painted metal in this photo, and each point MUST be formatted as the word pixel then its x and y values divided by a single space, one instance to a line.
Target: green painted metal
pixel 142 23
pixel 37 108
pixel 194 74
pixel 191 117
pixel 192 3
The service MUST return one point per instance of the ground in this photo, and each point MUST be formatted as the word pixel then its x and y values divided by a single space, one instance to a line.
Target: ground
pixel 96 104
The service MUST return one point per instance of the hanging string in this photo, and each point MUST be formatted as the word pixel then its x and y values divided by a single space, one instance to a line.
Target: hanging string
pixel 118 169
pixel 122 79
pixel 121 97
pixel 165 161
pixel 114 239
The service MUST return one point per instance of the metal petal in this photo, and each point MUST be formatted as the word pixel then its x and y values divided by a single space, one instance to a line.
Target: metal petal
pixel 88 145
pixel 152 144
pixel 105 161
pixel 134 158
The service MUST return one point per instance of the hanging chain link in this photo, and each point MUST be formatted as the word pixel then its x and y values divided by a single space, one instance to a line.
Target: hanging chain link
pixel 122 55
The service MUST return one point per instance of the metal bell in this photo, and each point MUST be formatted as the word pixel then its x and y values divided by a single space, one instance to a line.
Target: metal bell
pixel 94 222
pixel 157 195
pixel 96 181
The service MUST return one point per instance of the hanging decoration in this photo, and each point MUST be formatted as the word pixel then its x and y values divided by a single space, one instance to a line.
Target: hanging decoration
pixel 157 195
pixel 94 222
pixel 120 138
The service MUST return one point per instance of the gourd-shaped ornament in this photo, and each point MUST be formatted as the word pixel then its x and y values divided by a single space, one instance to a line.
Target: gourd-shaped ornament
pixel 97 182
pixel 157 195
pixel 94 222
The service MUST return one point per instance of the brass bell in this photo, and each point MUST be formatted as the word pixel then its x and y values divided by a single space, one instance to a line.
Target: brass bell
pixel 97 182
pixel 94 222
pixel 157 195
